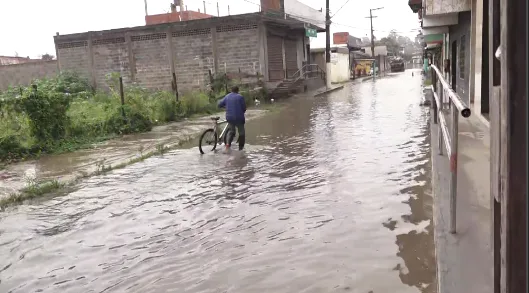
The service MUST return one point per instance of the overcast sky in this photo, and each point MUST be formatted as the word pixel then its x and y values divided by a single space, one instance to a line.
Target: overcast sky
pixel 28 26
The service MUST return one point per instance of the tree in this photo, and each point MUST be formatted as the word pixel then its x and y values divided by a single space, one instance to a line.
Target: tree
pixel 399 45
pixel 47 57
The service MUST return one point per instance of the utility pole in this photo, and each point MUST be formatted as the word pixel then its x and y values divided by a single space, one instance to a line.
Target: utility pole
pixel 146 13
pixel 372 34
pixel 372 31
pixel 327 45
pixel 205 7
pixel 218 11
pixel 373 38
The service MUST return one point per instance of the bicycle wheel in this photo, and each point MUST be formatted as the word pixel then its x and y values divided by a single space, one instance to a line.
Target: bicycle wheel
pixel 208 138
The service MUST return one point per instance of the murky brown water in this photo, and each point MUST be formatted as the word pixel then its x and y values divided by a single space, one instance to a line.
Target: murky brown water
pixel 331 195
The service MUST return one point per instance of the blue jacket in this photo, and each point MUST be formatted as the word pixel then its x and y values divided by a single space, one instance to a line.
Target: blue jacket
pixel 235 108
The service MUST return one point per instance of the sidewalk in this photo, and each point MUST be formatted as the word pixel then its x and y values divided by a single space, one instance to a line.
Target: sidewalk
pixel 464 259
pixel 68 167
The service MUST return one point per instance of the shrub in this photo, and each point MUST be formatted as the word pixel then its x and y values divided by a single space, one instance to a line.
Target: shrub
pixel 47 115
pixel 64 113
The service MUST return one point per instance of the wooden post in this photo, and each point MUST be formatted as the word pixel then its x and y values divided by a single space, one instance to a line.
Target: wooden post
pixel 175 86
pixel 513 172
pixel 226 82
pixel 122 95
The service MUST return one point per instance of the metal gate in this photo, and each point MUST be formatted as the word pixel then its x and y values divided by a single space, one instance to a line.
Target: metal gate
pixel 275 58
pixel 291 57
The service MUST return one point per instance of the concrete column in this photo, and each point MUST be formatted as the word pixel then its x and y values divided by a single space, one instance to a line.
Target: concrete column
pixel 478 57
pixel 262 49
pixel 57 54
pixel 328 68
pixel 91 70
pixel 214 49
pixel 170 51
pixel 472 73
pixel 132 61
pixel 284 59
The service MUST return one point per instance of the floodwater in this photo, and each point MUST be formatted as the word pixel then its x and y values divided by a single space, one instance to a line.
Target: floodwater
pixel 331 195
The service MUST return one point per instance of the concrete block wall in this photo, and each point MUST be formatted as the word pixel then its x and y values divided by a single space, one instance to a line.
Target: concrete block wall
pixel 193 58
pixel 110 55
pixel 152 61
pixel 22 74
pixel 74 57
pixel 149 55
pixel 238 48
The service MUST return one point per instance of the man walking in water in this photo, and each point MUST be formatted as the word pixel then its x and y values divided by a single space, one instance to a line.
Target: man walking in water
pixel 235 109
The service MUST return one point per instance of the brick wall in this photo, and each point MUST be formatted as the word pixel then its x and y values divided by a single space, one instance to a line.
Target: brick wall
pixel 193 57
pixel 238 48
pixel 73 57
pixel 110 56
pixel 23 74
pixel 151 55
pixel 148 55
pixel 174 17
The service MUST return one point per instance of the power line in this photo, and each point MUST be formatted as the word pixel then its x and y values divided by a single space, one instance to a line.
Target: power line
pixel 252 2
pixel 340 8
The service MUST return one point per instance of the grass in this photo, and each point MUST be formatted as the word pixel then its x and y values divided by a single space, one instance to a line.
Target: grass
pixel 37 189
pixel 427 82
pixel 92 117
pixel 33 190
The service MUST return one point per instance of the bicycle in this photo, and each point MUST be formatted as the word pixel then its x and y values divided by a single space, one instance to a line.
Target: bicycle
pixel 211 137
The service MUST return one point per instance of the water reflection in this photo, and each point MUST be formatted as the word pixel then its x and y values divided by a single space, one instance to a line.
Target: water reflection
pixel 332 194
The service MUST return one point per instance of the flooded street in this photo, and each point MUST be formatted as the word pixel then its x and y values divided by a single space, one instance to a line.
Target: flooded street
pixel 331 195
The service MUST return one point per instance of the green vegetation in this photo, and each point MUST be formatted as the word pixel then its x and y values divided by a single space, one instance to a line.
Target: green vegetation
pixel 32 190
pixel 64 113
pixel 427 82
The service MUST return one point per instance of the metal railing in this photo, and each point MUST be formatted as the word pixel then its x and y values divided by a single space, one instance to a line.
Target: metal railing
pixel 308 71
pixel 446 99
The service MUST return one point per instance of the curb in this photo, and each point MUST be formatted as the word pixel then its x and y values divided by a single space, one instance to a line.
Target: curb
pixel 326 91
pixel 434 208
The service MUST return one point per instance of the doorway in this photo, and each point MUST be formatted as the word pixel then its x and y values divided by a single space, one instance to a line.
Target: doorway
pixel 454 65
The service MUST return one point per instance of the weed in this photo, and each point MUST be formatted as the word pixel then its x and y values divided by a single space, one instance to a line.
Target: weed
pixel 427 82
pixel 34 189
pixel 161 149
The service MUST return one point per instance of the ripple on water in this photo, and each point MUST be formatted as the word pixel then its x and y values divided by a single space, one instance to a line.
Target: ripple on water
pixel 338 202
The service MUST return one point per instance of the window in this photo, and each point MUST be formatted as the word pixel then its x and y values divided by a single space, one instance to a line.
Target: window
pixel 461 59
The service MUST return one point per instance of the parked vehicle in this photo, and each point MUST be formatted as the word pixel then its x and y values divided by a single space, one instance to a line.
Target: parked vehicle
pixel 397 65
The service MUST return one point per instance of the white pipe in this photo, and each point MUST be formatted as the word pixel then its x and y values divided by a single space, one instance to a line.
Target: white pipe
pixel 328 75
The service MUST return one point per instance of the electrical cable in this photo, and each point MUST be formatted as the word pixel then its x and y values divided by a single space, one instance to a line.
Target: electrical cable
pixel 340 8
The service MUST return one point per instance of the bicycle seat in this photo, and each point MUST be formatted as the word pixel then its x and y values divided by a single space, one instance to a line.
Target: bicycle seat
pixel 215 118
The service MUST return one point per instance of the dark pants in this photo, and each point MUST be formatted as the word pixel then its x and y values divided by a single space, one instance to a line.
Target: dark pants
pixel 232 128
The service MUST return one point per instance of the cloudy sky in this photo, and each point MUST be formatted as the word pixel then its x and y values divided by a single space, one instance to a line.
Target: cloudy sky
pixel 27 27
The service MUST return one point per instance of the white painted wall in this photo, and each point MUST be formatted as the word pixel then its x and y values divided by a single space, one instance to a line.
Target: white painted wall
pixel 439 20
pixel 477 57
pixel 304 13
pixel 379 50
pixel 340 67
pixel 435 30
pixel 434 7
